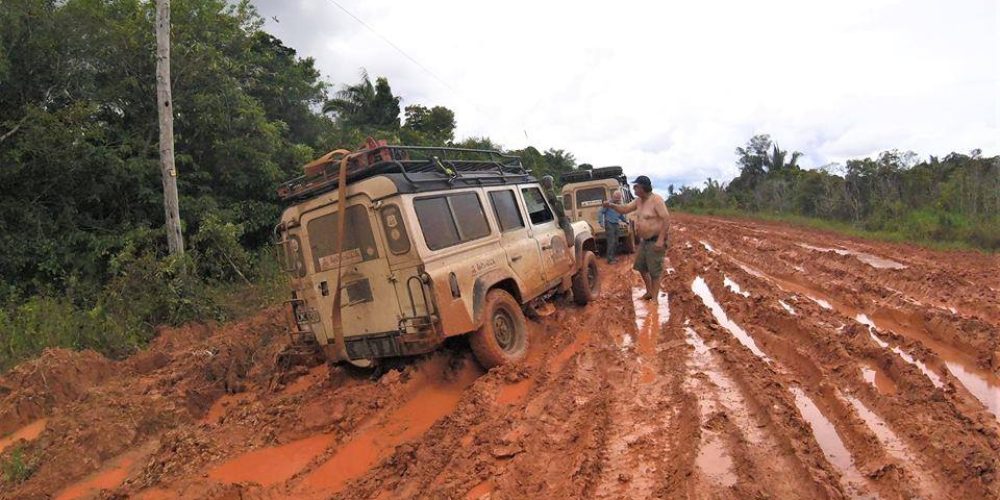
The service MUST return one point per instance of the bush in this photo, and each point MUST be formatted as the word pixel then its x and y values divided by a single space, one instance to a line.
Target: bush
pixel 17 468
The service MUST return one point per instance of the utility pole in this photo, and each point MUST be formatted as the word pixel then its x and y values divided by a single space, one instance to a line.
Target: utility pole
pixel 175 240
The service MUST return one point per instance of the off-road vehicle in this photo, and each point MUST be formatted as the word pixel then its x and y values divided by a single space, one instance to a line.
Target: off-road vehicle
pixel 437 242
pixel 583 193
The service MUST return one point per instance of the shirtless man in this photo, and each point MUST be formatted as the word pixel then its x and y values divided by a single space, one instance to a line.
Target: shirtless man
pixel 651 224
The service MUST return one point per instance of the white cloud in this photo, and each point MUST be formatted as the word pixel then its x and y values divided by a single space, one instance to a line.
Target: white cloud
pixel 670 89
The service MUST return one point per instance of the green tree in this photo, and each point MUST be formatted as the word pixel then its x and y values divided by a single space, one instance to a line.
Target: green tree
pixel 436 125
pixel 366 105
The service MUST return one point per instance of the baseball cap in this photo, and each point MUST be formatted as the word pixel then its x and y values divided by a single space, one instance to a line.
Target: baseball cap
pixel 644 181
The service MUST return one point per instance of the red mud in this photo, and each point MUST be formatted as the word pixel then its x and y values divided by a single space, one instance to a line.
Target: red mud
pixel 779 362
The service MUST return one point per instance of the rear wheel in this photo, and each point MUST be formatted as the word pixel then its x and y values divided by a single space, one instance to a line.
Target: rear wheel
pixel 503 338
pixel 586 281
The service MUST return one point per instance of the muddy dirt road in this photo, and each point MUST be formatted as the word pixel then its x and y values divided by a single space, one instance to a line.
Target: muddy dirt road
pixel 779 363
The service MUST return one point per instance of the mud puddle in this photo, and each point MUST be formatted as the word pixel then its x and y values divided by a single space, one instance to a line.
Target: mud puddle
pixel 274 465
pixel 878 379
pixel 982 384
pixel 829 441
pixel 872 260
pixel 700 288
pixel 29 432
pixel 734 286
pixel 109 477
pixel 433 400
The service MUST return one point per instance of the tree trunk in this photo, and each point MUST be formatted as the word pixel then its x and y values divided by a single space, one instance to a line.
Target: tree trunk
pixel 175 240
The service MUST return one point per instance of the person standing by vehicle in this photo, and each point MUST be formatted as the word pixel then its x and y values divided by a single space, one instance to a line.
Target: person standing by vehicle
pixel 611 221
pixel 549 190
pixel 652 223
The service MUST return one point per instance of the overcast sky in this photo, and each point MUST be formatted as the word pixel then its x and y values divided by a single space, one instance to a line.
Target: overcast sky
pixel 670 89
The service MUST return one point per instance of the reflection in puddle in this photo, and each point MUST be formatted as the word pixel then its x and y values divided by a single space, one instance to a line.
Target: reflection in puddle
pixel 828 439
pixel 787 307
pixel 707 246
pixel 700 288
pixel 714 461
pixel 878 379
pixel 822 303
pixel 934 378
pixel 734 286
pixel 648 321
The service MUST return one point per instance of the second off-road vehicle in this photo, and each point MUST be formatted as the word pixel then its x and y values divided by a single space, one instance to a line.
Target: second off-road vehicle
pixel 584 191
pixel 436 242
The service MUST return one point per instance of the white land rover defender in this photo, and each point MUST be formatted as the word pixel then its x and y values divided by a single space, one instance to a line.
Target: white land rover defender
pixel 437 242
pixel 583 193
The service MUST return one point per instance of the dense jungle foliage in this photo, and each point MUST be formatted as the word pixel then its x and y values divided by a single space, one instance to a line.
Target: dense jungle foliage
pixel 950 201
pixel 84 261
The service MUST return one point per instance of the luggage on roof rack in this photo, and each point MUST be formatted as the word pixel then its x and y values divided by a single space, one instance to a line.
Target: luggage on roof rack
pixel 377 157
pixel 613 172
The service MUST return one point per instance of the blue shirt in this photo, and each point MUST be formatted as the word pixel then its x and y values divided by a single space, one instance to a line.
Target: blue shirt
pixel 606 216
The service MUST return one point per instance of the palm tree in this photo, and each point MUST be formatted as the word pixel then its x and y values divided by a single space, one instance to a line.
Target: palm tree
pixel 366 104
pixel 775 161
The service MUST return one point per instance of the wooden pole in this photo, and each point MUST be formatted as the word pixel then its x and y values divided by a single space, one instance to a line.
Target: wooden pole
pixel 175 240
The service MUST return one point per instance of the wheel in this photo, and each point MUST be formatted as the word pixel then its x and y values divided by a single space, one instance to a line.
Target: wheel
pixel 503 338
pixel 587 281
pixel 629 246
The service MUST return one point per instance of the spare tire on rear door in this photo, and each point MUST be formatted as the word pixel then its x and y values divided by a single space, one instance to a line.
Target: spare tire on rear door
pixel 503 338
pixel 586 281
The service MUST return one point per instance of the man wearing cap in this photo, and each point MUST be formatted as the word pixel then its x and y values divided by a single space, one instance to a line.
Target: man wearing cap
pixel 651 224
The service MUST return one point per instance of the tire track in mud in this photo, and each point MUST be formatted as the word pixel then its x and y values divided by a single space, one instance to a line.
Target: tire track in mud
pixel 615 400
pixel 839 387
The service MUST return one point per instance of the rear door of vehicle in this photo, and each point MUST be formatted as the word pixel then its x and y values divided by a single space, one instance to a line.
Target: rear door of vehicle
pixel 369 303
pixel 523 252
pixel 588 205
pixel 557 259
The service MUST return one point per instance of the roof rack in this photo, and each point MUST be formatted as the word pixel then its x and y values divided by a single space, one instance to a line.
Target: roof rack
pixel 613 172
pixel 377 157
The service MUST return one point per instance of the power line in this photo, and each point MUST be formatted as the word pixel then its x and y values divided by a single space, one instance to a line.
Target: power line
pixel 394 46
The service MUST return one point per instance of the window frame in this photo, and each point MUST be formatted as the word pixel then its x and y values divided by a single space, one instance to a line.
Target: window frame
pixel 545 202
pixel 517 209
pixel 454 220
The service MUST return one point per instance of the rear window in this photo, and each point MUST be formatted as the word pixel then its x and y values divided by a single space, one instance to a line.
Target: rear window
pixel 505 207
pixel 359 242
pixel 449 220
pixel 590 197
pixel 538 210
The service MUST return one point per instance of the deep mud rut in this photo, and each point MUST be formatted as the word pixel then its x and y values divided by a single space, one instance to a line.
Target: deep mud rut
pixel 778 363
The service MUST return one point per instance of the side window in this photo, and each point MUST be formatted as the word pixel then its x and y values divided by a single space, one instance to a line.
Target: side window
pixel 505 208
pixel 568 200
pixel 534 201
pixel 468 212
pixel 590 197
pixel 436 222
pixel 450 220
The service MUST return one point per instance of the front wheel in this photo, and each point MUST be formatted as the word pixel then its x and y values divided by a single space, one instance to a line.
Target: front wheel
pixel 586 281
pixel 503 338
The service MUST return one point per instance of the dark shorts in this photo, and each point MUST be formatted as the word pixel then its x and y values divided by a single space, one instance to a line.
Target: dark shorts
pixel 649 259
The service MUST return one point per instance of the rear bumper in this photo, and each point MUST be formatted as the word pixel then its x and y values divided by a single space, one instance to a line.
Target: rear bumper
pixel 391 344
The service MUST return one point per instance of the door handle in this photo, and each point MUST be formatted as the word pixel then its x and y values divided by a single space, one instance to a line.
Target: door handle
pixel 547 247
pixel 516 258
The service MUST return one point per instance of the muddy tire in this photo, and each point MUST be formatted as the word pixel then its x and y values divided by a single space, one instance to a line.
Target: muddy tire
pixel 587 281
pixel 503 338
pixel 629 246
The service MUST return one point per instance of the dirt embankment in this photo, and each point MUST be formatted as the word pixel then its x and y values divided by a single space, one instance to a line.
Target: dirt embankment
pixel 780 362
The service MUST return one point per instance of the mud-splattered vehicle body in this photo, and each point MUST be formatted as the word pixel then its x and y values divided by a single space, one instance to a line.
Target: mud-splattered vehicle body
pixel 438 242
pixel 583 193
